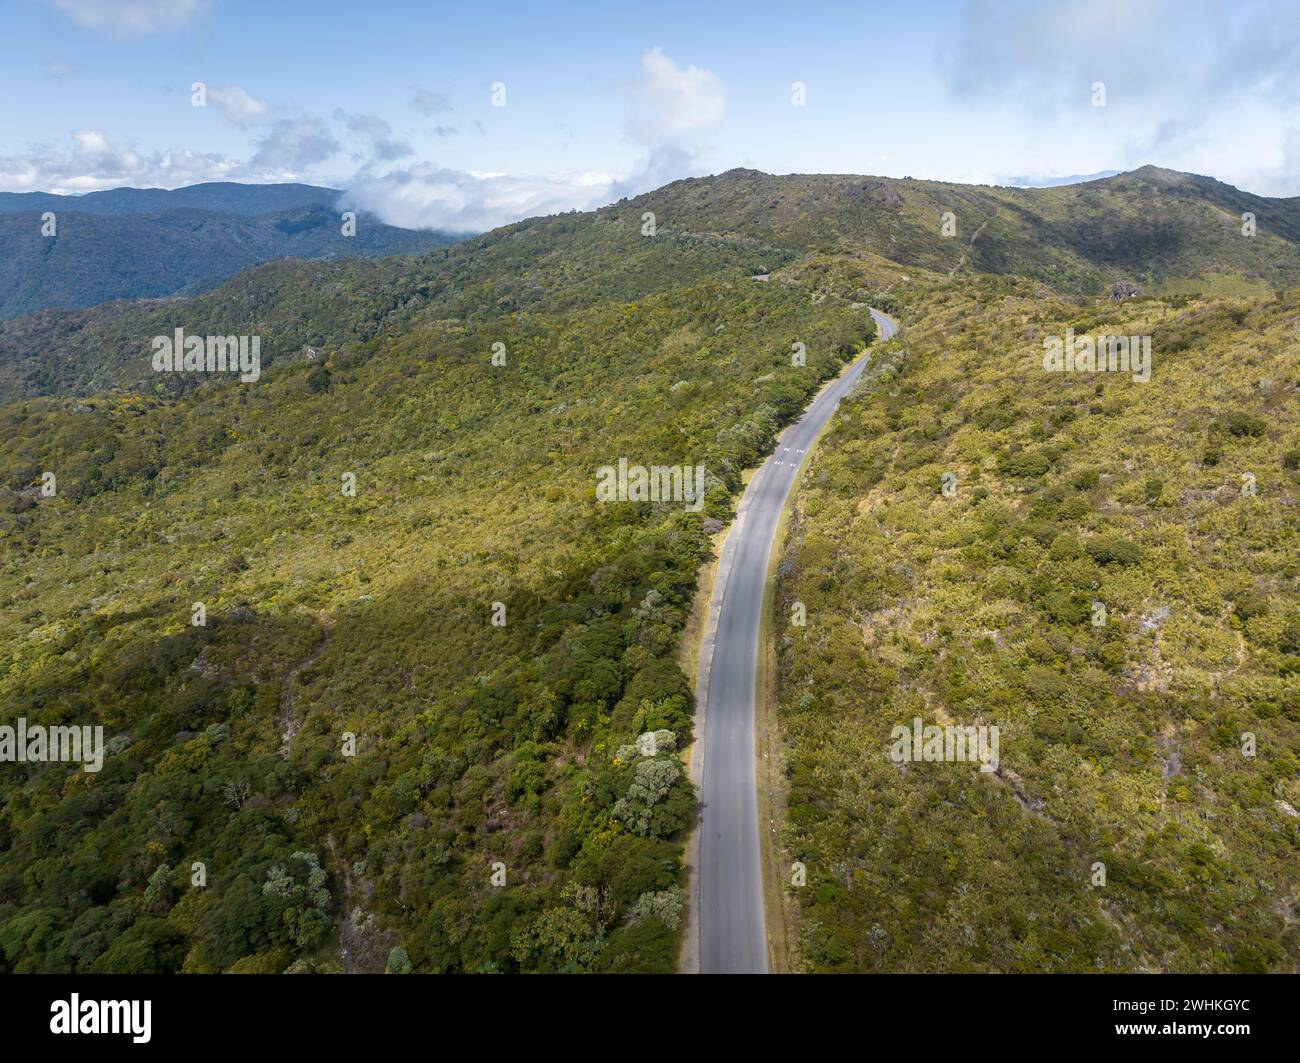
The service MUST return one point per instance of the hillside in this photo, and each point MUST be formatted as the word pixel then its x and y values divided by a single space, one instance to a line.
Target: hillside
pixel 1175 504
pixel 371 615
pixel 559 263
pixel 357 754
pixel 1154 227
pixel 143 243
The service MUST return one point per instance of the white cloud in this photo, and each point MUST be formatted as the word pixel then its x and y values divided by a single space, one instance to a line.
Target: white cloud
pixel 130 18
pixel 662 164
pixel 426 196
pixel 1182 54
pixel 673 107
pixel 293 145
pixel 91 143
pixel 57 71
pixel 93 163
pixel 674 102
pixel 1189 84
pixel 430 103
pixel 239 106
pixel 376 134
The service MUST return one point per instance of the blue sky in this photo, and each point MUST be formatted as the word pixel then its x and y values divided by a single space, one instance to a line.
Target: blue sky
pixel 393 100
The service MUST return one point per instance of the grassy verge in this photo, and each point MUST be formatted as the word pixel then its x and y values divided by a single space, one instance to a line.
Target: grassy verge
pixel 768 774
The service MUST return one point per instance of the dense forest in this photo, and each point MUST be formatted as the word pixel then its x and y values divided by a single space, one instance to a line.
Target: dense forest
pixel 405 736
pixel 62 257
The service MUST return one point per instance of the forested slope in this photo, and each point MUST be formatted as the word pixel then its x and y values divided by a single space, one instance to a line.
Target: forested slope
pixel 91 258
pixel 1143 815
pixel 495 815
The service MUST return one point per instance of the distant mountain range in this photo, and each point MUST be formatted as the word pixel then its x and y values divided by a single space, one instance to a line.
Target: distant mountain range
pixel 1053 182
pixel 130 243
pixel 219 197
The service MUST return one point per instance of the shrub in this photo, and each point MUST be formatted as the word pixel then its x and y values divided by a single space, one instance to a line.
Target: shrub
pixel 1241 423
pixel 1114 551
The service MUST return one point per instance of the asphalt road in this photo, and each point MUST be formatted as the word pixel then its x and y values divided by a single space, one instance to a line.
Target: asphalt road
pixel 733 931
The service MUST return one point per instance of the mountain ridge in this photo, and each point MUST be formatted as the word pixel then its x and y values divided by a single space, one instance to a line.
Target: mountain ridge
pixel 233 197
pixel 1154 226
pixel 1158 229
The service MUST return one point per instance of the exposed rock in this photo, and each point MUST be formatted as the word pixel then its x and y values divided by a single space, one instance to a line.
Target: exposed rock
pixel 1025 800
pixel 877 192
pixel 1170 755
pixel 1154 620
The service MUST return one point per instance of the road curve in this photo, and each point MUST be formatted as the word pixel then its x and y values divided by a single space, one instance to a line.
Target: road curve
pixel 732 927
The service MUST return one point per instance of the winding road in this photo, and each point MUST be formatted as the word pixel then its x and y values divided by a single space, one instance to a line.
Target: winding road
pixel 732 927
